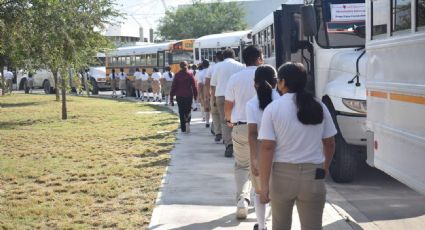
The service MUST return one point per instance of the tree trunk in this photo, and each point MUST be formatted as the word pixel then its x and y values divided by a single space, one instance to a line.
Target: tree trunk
pixel 2 79
pixel 63 88
pixel 86 83
pixel 55 79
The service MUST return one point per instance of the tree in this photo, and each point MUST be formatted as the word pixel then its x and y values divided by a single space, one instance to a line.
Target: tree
pixel 64 35
pixel 201 19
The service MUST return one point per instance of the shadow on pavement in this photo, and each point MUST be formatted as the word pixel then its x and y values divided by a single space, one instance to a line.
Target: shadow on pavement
pixel 337 225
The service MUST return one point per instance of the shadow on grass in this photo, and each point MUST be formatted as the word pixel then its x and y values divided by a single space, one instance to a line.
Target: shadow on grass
pixel 15 124
pixel 159 162
pixel 20 104
pixel 149 137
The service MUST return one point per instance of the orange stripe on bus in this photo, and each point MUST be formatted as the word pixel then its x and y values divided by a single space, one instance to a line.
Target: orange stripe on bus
pixel 378 94
pixel 408 98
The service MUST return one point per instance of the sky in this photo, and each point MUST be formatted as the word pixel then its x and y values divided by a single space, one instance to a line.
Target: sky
pixel 146 13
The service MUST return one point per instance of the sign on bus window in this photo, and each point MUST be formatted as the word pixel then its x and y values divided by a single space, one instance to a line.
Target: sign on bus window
pixel 380 11
pixel 348 12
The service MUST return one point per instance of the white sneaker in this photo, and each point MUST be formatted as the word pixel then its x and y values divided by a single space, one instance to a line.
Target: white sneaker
pixel 242 209
pixel 187 127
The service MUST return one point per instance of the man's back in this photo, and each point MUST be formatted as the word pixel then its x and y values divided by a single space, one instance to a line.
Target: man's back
pixel 222 73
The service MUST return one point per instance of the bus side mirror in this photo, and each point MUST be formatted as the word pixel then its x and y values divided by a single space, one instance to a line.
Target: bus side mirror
pixel 360 31
pixel 309 21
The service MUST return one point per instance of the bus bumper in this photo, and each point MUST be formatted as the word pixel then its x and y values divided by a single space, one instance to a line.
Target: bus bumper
pixel 353 129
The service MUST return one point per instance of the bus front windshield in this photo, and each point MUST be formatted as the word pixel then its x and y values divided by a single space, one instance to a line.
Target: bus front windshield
pixel 180 55
pixel 338 21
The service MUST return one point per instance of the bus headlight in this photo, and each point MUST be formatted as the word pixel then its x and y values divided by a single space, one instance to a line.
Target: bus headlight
pixel 356 105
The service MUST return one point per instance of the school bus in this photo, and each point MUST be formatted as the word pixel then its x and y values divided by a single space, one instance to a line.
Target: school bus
pixel 148 56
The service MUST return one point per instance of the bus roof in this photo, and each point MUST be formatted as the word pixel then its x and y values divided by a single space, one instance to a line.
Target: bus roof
pixel 231 39
pixel 264 23
pixel 144 49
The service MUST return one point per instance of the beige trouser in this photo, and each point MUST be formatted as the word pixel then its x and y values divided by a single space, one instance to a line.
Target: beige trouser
pixel 9 85
pixel 295 183
pixel 242 161
pixel 215 118
pixel 225 130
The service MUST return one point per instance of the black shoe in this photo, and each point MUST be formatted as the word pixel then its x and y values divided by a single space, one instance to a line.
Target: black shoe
pixel 207 125
pixel 255 227
pixel 229 151
pixel 217 138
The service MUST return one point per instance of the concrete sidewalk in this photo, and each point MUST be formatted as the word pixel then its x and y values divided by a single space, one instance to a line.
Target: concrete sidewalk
pixel 198 189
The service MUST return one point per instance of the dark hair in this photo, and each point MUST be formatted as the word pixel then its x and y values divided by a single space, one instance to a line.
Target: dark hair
pixel 219 56
pixel 228 53
pixel 155 69
pixel 265 80
pixel 310 111
pixel 205 64
pixel 251 54
pixel 122 69
pixel 169 71
pixel 113 70
pixel 137 69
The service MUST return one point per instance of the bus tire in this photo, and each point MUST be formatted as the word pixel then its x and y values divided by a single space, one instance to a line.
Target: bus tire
pixel 95 88
pixel 343 167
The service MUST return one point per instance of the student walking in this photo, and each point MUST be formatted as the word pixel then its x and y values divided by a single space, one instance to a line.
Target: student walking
pixel 297 134
pixel 184 89
pixel 221 75
pixel 264 82
pixel 144 85
pixel 240 89
pixel 123 82
pixel 166 82
pixel 30 82
pixel 113 78
pixel 9 81
pixel 138 81
pixel 210 103
pixel 156 85
pixel 201 85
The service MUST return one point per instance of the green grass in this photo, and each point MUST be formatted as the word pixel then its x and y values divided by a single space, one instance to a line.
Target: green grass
pixel 101 168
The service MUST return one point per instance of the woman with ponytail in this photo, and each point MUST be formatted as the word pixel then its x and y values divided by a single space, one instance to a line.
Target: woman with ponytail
pixel 264 82
pixel 297 146
pixel 166 81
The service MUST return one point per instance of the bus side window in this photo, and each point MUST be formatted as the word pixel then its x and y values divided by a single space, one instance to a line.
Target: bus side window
pixel 401 15
pixel 379 17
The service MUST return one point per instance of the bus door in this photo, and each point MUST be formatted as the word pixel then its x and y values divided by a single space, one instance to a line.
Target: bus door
pixel 161 60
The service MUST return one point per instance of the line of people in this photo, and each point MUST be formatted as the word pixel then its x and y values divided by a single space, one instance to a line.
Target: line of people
pixel 281 137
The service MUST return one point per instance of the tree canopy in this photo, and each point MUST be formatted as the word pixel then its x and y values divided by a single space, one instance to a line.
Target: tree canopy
pixel 201 19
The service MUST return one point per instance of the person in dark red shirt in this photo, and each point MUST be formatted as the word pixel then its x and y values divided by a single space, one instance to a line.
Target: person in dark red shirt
pixel 184 88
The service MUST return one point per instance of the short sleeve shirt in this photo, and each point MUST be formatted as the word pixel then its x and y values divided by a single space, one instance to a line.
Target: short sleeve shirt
pixel 8 75
pixel 156 76
pixel 295 142
pixel 209 71
pixel 253 111
pixel 144 76
pixel 222 73
pixel 122 76
pixel 240 89
pixel 200 76
pixel 138 75
pixel 166 76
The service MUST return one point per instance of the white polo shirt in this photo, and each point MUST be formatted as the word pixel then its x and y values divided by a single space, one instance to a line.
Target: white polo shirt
pixel 122 76
pixel 138 75
pixel 295 142
pixel 8 75
pixel 200 76
pixel 240 89
pixel 253 111
pixel 222 73
pixel 156 76
pixel 210 71
pixel 167 77
pixel 144 76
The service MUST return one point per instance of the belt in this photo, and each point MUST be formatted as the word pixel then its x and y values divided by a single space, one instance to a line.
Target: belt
pixel 239 123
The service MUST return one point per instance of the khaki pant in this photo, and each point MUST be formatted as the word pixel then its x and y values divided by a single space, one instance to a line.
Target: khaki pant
pixel 9 85
pixel 242 161
pixel 295 183
pixel 215 118
pixel 225 130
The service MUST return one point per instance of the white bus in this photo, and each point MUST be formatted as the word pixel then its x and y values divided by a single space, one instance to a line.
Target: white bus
pixel 205 47
pixel 333 54
pixel 396 89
